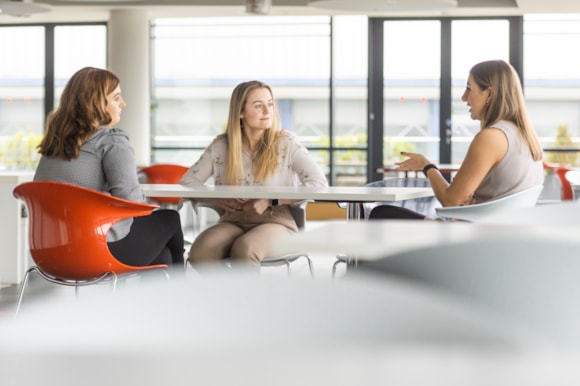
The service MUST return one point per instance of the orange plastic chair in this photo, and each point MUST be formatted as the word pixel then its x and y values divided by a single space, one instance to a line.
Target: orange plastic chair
pixel 566 192
pixel 164 174
pixel 67 233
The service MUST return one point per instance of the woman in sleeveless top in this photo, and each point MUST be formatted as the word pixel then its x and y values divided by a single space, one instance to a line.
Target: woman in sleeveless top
pixel 505 156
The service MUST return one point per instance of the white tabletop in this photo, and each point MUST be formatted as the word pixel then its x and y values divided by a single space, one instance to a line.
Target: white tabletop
pixel 370 240
pixel 331 193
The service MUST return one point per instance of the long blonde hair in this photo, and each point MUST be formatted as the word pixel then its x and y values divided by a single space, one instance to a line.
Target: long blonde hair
pixel 81 110
pixel 506 100
pixel 265 162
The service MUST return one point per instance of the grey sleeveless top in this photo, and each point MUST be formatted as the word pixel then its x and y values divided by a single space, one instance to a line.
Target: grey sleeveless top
pixel 517 170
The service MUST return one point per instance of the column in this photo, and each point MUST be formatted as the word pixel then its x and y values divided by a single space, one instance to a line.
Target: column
pixel 128 57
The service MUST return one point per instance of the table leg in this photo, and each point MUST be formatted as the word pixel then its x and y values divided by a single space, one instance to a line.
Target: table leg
pixel 354 211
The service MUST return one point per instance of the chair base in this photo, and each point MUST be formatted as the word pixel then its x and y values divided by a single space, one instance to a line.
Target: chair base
pixel 273 261
pixel 110 277
pixel 286 260
pixel 71 283
pixel 348 260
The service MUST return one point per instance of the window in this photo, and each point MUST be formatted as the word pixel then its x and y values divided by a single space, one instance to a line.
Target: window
pixel 27 76
pixel 71 51
pixel 192 86
pixel 552 80
pixel 469 46
pixel 22 95
pixel 411 88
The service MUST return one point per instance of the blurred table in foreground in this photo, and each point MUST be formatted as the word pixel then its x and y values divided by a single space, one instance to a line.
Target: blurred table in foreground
pixel 235 330
pixel 371 240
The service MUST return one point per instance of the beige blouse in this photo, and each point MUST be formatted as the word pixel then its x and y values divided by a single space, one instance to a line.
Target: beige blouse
pixel 295 166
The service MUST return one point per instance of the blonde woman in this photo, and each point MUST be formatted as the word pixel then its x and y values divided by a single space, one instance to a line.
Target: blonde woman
pixel 504 157
pixel 254 150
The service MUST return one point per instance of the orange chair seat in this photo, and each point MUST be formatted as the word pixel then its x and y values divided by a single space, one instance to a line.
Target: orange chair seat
pixel 164 174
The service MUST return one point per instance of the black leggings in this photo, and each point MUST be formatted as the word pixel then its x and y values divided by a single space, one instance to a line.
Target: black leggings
pixel 394 212
pixel 153 239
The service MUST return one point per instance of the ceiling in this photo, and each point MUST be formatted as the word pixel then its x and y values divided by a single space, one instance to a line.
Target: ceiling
pixel 98 10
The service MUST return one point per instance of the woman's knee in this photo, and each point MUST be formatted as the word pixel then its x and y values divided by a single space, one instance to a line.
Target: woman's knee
pixel 244 249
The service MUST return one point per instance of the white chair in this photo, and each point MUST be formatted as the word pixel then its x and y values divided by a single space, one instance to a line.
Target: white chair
pixel 564 214
pixel 530 280
pixel 573 177
pixel 474 213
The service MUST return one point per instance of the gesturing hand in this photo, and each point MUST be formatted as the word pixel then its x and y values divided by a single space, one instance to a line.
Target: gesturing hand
pixel 415 161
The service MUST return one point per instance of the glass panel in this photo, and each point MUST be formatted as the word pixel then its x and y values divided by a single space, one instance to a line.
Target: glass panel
pixel 552 81
pixel 350 167
pixel 192 89
pixel 350 47
pixel 470 45
pixel 71 51
pixel 21 95
pixel 411 89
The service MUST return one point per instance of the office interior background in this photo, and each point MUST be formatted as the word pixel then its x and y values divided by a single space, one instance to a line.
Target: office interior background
pixel 356 87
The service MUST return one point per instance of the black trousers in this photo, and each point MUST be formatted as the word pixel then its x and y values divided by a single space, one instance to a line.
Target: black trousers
pixel 153 239
pixel 394 212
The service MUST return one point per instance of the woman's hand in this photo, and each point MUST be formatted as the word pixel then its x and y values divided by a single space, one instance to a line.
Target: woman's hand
pixel 232 204
pixel 256 206
pixel 415 162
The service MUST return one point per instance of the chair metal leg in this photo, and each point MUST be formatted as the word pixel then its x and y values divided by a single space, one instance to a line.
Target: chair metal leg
pixel 340 259
pixel 21 294
pixel 336 262
pixel 310 267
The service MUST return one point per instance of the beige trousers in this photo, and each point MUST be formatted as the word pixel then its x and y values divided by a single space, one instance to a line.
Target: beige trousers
pixel 242 237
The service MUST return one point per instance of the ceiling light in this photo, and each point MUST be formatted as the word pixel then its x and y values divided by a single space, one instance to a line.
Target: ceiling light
pixel 384 5
pixel 21 8
pixel 258 7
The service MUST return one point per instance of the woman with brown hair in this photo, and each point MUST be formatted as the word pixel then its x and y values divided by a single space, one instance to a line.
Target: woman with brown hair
pixel 81 146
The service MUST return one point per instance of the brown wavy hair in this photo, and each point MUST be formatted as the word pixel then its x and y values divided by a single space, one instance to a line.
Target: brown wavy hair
pixel 81 111
pixel 266 160
pixel 506 100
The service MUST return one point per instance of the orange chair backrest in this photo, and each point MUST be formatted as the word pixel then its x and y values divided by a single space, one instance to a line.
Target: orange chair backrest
pixel 567 193
pixel 68 227
pixel 164 174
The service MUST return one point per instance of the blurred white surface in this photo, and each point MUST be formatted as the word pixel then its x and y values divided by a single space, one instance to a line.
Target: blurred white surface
pixel 240 329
